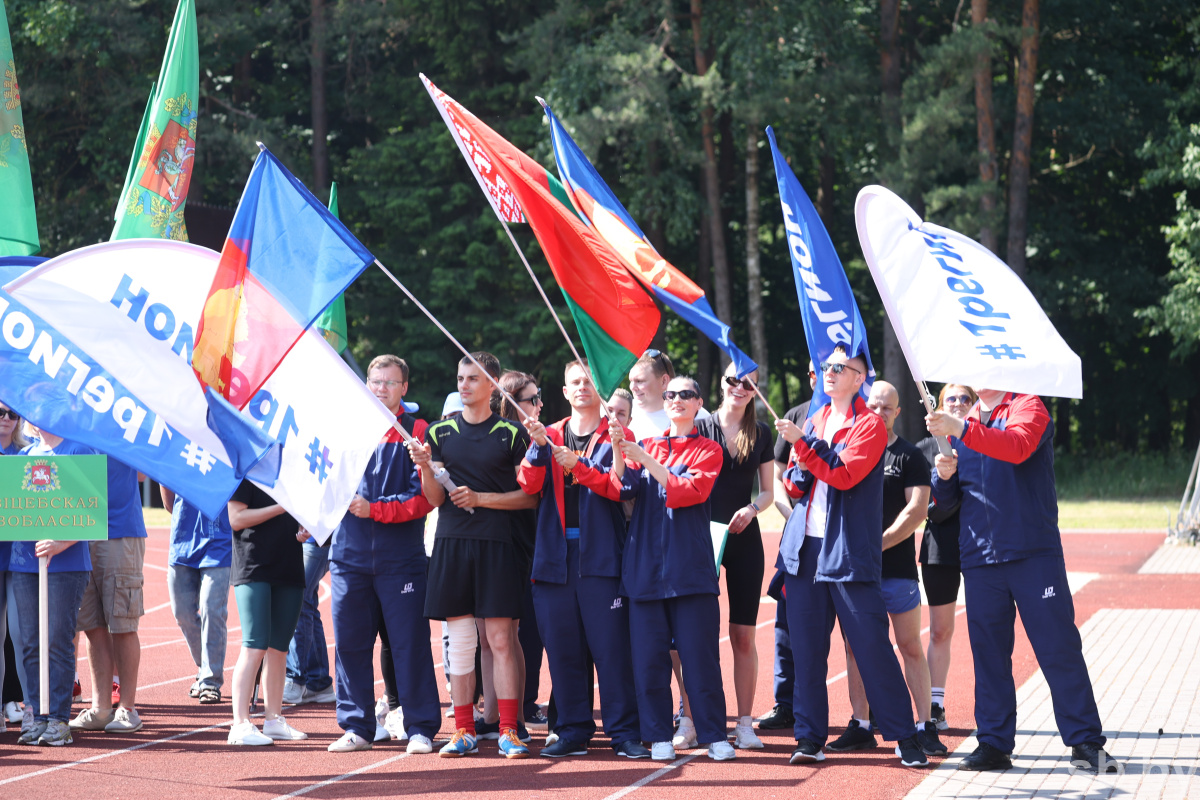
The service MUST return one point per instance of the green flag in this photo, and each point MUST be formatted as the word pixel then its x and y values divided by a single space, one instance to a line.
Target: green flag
pixel 18 222
pixel 332 322
pixel 156 185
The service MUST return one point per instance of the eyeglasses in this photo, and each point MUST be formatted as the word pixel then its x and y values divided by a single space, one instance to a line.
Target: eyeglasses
pixel 10 414
pixel 837 369
pixel 745 383
pixel 682 394
pixel 961 399
pixel 376 383
pixel 533 399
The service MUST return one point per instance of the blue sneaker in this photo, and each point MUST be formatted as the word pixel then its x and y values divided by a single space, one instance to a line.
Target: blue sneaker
pixel 461 744
pixel 511 746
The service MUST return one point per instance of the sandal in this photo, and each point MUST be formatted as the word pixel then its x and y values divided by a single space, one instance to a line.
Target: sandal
pixel 194 689
pixel 208 695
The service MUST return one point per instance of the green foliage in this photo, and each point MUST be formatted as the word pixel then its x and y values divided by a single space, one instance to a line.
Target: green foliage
pixel 1123 476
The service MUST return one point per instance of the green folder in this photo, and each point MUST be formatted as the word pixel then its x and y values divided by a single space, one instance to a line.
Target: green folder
pixel 720 535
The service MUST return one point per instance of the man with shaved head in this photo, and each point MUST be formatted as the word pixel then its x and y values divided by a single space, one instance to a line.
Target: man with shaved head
pixel 905 501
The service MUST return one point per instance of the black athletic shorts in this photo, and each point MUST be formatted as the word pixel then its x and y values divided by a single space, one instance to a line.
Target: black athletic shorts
pixel 744 565
pixel 941 584
pixel 475 577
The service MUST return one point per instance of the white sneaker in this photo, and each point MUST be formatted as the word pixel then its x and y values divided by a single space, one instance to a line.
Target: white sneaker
pixel 326 695
pixel 12 711
pixel 551 738
pixel 381 734
pixel 419 744
pixel 293 693
pixel 721 751
pixel 394 722
pixel 662 751
pixel 744 737
pixel 349 743
pixel 685 735
pixel 246 733
pixel 278 730
pixel 381 711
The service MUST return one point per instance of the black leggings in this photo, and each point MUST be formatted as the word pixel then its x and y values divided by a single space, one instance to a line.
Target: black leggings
pixel 744 565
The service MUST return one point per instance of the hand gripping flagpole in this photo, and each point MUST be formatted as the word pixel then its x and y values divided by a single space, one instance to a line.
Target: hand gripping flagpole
pixel 441 476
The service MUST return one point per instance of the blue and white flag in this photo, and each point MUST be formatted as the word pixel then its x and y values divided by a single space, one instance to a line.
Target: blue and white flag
pixel 827 303
pixel 137 304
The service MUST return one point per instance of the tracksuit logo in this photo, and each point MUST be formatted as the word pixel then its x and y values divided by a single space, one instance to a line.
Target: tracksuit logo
pixel 616 604
pixel 1046 595
pixel 408 589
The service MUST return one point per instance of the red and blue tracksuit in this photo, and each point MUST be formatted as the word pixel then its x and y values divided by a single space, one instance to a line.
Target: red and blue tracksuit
pixel 839 575
pixel 576 589
pixel 1012 558
pixel 669 573
pixel 377 571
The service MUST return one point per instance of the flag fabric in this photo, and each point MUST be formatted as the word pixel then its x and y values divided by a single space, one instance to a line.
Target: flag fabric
pixel 960 313
pixel 156 184
pixel 827 306
pixel 136 304
pixel 18 223
pixel 332 322
pixel 286 259
pixel 615 318
pixel 603 212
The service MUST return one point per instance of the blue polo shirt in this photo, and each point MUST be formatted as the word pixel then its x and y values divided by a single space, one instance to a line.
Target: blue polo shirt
pixel 6 547
pixel 198 541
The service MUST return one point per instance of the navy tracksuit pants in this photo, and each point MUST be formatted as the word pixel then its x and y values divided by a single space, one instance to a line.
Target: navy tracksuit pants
pixel 694 623
pixel 858 606
pixel 360 602
pixel 1038 588
pixel 785 669
pixel 586 614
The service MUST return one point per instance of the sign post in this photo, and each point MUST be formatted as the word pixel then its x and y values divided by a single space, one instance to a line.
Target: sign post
pixel 62 498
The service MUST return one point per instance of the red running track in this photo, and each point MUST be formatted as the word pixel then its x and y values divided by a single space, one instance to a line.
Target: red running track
pixel 181 751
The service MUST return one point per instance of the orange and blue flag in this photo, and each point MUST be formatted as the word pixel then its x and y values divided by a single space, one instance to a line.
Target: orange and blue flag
pixel 603 212
pixel 285 260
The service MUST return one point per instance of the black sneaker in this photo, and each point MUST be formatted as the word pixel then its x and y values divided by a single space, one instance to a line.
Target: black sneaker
pixel 938 715
pixel 565 747
pixel 536 720
pixel 777 719
pixel 523 733
pixel 985 759
pixel 856 737
pixel 487 730
pixel 806 750
pixel 910 752
pixel 929 741
pixel 1089 757
pixel 631 749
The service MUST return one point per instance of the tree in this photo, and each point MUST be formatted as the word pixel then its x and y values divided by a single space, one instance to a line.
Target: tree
pixel 1018 179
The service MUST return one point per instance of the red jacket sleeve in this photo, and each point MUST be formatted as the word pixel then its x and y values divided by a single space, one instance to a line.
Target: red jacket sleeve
pixel 410 503
pixel 1024 426
pixel 864 446
pixel 704 464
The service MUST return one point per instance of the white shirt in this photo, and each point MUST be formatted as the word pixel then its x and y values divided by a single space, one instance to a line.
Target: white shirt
pixel 646 424
pixel 818 504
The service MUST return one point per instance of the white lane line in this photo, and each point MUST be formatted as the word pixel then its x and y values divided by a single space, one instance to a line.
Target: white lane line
pixel 154 566
pixel 653 776
pixel 351 774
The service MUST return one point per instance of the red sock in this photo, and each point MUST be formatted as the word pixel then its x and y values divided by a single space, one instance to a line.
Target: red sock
pixel 464 718
pixel 508 714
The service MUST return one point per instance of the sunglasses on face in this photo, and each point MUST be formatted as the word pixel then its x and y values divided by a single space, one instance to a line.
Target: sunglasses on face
pixel 534 399
pixel 961 399
pixel 837 369
pixel 9 414
pixel 745 383
pixel 682 394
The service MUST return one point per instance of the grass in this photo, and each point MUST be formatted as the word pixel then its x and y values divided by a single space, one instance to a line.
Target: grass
pixel 1117 514
pixel 1157 476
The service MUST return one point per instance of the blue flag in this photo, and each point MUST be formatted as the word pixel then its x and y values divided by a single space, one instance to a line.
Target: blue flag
pixel 827 303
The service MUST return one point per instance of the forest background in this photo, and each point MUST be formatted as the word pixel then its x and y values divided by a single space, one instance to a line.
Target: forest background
pixel 1066 138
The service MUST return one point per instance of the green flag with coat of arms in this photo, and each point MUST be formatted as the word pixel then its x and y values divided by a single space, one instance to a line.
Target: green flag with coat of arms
pixel 18 222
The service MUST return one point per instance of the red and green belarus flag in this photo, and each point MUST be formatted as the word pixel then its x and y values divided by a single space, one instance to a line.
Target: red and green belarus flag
pixel 156 185
pixel 332 322
pixel 18 221
pixel 615 317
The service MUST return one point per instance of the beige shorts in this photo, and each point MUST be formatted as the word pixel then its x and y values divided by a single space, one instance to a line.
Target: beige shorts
pixel 113 597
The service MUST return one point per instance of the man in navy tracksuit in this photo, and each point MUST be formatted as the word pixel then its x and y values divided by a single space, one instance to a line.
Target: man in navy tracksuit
pixel 832 553
pixel 1012 558
pixel 377 566
pixel 577 573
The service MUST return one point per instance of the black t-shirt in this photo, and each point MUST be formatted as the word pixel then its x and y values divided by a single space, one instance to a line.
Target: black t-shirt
pixel 735 483
pixel 483 457
pixel 268 552
pixel 571 488
pixel 903 467
pixel 939 544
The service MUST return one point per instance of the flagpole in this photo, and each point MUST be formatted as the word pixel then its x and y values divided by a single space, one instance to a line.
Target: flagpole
pixel 943 442
pixel 44 634
pixel 762 397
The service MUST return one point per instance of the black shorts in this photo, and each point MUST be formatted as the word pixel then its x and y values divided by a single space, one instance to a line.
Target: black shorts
pixel 744 564
pixel 941 584
pixel 474 577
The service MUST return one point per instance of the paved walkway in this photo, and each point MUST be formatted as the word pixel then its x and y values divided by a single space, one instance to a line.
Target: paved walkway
pixel 1173 559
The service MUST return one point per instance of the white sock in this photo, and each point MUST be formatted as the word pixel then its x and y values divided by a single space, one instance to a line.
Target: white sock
pixel 865 724
pixel 938 695
pixel 746 722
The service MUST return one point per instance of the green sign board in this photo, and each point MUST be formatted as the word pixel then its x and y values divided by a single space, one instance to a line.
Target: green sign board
pixel 53 497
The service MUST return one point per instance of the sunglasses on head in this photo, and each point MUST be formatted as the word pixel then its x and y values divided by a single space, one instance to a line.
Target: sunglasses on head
pixel 837 369
pixel 682 394
pixel 10 414
pixel 745 383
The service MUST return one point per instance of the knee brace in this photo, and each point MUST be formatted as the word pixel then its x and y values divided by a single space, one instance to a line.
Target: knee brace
pixel 463 640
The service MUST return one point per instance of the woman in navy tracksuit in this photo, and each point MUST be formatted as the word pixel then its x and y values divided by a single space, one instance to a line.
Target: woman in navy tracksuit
pixel 1012 558
pixel 670 576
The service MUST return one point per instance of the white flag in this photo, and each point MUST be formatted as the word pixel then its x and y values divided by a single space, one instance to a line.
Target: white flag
pixel 961 315
pixel 136 304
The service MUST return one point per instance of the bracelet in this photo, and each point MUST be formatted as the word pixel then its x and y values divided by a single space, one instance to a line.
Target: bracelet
pixel 757 510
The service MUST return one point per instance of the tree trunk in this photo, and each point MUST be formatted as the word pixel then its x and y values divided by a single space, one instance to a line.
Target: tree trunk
pixel 320 114
pixel 758 325
pixel 712 187
pixel 986 130
pixel 704 347
pixel 889 65
pixel 825 186
pixel 1018 175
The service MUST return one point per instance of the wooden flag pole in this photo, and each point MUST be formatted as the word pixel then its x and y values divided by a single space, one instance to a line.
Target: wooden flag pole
pixel 44 634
